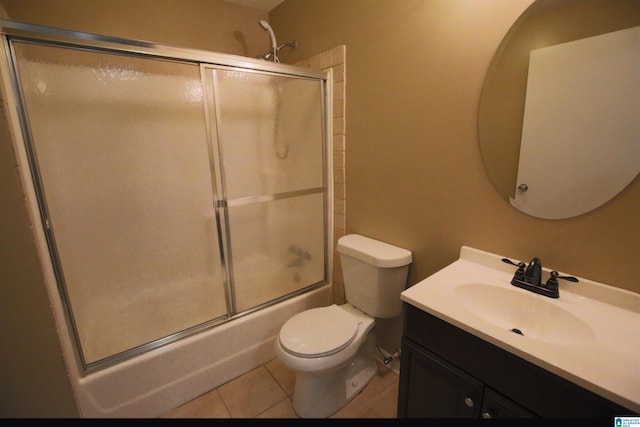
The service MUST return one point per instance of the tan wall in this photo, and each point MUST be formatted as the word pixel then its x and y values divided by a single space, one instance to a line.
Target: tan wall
pixel 32 372
pixel 414 174
pixel 33 379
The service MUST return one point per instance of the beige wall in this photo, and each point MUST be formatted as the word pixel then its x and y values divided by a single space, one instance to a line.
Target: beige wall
pixel 33 379
pixel 32 373
pixel 414 174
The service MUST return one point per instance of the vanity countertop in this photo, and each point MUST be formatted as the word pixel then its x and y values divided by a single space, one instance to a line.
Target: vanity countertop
pixel 590 335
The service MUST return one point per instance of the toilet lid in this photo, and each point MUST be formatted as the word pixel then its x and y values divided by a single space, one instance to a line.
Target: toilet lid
pixel 318 332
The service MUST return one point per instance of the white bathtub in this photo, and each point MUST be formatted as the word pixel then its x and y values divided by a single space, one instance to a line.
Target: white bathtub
pixel 156 382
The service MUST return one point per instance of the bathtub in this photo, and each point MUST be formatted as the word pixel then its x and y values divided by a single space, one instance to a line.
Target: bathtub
pixel 158 381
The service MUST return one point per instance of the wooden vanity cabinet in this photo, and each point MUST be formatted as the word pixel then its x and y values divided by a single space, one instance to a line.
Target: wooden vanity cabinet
pixel 446 372
pixel 437 389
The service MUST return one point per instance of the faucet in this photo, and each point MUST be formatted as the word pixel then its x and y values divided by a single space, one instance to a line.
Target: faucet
pixel 533 273
pixel 531 278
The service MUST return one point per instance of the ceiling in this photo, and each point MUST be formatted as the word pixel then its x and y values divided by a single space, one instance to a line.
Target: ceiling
pixel 265 5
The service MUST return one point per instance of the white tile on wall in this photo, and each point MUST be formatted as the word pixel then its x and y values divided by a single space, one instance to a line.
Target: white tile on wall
pixel 336 60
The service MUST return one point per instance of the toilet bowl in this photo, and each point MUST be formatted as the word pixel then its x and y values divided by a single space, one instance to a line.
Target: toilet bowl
pixel 332 349
pixel 326 347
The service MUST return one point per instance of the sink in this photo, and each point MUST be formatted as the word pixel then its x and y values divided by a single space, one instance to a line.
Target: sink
pixel 529 315
pixel 590 335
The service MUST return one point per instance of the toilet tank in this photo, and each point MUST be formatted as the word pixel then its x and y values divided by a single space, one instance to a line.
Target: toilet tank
pixel 375 273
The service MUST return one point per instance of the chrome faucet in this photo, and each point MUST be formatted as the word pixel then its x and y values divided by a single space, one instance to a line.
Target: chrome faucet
pixel 531 278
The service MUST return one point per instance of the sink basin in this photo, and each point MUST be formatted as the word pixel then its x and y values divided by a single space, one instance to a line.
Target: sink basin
pixel 522 312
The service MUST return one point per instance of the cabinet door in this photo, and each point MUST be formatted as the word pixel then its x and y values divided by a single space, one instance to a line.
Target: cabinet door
pixel 432 388
pixel 495 405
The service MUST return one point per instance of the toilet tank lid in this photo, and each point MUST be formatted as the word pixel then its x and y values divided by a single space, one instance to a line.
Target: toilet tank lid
pixel 373 251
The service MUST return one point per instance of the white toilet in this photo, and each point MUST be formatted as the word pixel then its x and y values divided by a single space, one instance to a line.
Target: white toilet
pixel 332 348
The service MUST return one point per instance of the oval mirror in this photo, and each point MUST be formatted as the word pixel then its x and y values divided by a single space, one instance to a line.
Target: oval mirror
pixel 559 114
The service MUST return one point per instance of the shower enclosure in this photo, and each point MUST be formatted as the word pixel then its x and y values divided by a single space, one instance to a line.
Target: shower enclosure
pixel 177 189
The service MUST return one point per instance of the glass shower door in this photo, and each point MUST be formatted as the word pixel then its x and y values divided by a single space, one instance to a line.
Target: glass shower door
pixel 125 182
pixel 270 142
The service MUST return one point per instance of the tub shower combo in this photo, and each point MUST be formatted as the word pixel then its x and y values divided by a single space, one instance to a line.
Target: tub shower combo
pixel 181 199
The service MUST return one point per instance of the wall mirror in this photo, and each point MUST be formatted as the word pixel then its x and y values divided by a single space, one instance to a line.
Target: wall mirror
pixel 559 113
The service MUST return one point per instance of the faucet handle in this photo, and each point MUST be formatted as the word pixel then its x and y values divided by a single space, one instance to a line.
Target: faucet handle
pixel 519 274
pixel 552 283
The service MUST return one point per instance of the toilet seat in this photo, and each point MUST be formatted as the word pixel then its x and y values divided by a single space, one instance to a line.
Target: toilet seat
pixel 318 332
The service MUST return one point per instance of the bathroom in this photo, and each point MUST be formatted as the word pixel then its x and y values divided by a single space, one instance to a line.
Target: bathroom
pixel 413 172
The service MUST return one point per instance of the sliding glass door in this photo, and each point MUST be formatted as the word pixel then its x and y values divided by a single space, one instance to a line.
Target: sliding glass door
pixel 269 137
pixel 128 192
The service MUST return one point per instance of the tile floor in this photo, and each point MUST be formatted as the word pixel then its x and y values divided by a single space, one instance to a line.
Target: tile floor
pixel 266 391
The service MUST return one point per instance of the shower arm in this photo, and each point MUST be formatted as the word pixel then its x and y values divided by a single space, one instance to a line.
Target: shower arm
pixel 271 54
pixel 292 45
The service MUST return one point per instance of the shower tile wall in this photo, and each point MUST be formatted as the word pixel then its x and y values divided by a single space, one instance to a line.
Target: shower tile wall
pixel 335 59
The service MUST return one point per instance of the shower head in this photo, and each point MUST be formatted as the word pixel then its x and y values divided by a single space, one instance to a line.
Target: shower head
pixel 265 26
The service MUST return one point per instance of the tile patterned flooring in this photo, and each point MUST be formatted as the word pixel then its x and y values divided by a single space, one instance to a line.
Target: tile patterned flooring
pixel 266 391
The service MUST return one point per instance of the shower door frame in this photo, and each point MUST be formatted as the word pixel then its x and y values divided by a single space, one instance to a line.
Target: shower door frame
pixel 17 117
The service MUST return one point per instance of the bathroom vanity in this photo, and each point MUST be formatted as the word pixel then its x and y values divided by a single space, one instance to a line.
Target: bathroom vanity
pixel 474 346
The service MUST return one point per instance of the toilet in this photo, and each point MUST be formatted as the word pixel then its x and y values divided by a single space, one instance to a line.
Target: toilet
pixel 332 349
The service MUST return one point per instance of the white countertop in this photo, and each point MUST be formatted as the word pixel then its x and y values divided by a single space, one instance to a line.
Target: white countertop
pixel 603 357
